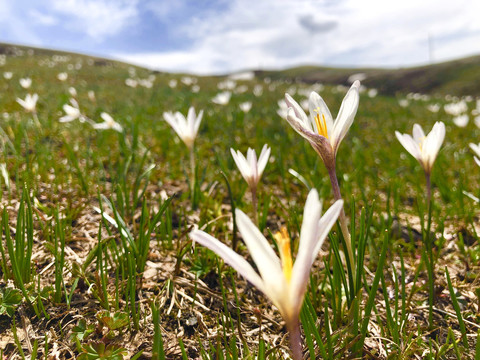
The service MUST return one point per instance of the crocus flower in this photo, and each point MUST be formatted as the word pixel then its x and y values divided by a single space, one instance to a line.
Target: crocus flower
pixel 476 150
pixel 25 82
pixel 108 123
pixel 281 280
pixel 222 98
pixel 421 147
pixel 72 112
pixel 245 106
pixel 461 120
pixel 7 75
pixel 251 168
pixel 186 128
pixel 63 76
pixel 324 134
pixel 30 102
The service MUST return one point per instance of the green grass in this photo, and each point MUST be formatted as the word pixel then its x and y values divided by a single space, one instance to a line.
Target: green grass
pixel 96 261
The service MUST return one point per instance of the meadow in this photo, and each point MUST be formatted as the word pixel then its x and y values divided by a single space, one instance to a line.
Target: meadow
pixel 97 261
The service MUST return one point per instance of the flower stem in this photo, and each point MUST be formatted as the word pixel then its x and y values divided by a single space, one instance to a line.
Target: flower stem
pixel 253 190
pixel 429 251
pixel 192 169
pixel 295 340
pixel 342 218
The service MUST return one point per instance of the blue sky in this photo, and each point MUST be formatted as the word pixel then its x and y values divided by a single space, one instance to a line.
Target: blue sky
pixel 219 36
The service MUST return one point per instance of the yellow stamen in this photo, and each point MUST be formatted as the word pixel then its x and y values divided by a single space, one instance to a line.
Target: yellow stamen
pixel 321 124
pixel 283 242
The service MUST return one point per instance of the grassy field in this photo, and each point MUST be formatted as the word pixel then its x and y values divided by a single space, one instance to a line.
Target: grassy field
pixel 96 259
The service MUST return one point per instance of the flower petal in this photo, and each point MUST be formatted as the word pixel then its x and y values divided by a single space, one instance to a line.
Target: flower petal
pixel 263 159
pixel 410 145
pixel 418 134
pixel 299 113
pixel 317 105
pixel 229 256
pixel 345 116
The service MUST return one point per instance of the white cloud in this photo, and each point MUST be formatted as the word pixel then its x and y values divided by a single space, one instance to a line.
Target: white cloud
pixel 42 18
pixel 279 33
pixel 97 18
pixel 15 26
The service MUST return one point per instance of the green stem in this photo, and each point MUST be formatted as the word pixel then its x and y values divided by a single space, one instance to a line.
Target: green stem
pixel 429 250
pixel 253 190
pixel 342 218
pixel 295 340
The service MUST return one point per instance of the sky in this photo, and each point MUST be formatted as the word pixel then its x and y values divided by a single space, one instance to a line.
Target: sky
pixel 224 36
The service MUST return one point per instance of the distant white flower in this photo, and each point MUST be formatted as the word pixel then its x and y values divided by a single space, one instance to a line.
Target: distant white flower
pixel 172 83
pixel 195 88
pixel 324 134
pixel 251 168
pixel 421 147
pixel 283 281
pixel 131 82
pixel 242 76
pixel 222 98
pixel 25 82
pixel 91 95
pixel 30 102
pixel 63 76
pixel 245 106
pixel 186 128
pixel 227 84
pixel 456 108
pixel 461 120
pixel 476 150
pixel 7 75
pixel 108 123
pixel 72 112
pixel 433 107
pixel 372 93
pixel 241 89
pixel 72 91
pixel 188 80
pixel 403 102
pixel 282 109
pixel 258 90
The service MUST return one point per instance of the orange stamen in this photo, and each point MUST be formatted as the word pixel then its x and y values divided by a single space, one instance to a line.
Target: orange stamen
pixel 283 242
pixel 321 125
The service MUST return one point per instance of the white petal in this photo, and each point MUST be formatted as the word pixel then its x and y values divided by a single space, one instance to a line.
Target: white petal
pixel 317 105
pixel 345 116
pixel 475 148
pixel 313 241
pixel 267 262
pixel 242 165
pixel 410 145
pixel 299 113
pixel 418 134
pixel 432 143
pixel 198 121
pixel 229 256
pixel 263 159
pixel 477 160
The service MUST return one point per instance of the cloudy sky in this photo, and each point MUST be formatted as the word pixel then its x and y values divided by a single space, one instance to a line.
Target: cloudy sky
pixel 219 36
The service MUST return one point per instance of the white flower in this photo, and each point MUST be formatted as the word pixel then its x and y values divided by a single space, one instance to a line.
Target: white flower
pixel 222 98
pixel 372 93
pixel 280 280
pixel 245 106
pixel 421 147
pixel 282 109
pixel 195 88
pixel 476 150
pixel 456 108
pixel 172 83
pixel 131 82
pixel 72 112
pixel 433 107
pixel 461 120
pixel 25 82
pixel 7 75
pixel 324 134
pixel 186 128
pixel 91 95
pixel 72 91
pixel 403 102
pixel 251 168
pixel 62 76
pixel 30 102
pixel 108 123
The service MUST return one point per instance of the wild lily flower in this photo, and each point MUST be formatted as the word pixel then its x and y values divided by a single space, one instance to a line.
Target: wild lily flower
pixel 108 123
pixel 251 168
pixel 186 128
pixel 476 150
pixel 72 112
pixel 324 134
pixel 63 76
pixel 421 147
pixel 281 280
pixel 245 106
pixel 222 98
pixel 461 120
pixel 7 75
pixel 30 102
pixel 25 82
